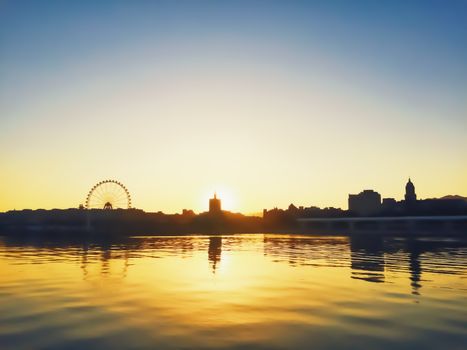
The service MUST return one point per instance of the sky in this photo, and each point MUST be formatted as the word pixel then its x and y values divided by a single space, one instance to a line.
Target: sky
pixel 266 102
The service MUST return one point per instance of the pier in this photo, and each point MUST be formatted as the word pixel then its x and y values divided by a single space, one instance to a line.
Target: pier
pixel 394 224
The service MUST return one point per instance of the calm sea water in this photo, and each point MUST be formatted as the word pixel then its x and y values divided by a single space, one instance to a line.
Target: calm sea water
pixel 237 291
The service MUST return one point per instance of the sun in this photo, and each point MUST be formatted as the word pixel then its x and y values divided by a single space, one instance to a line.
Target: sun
pixel 227 197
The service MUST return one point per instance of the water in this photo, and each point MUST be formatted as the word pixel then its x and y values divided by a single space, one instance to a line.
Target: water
pixel 237 291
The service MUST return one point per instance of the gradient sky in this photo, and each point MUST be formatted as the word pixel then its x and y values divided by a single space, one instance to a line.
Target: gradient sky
pixel 267 102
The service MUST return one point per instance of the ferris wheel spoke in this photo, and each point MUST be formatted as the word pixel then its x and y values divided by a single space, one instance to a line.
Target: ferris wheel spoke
pixel 96 198
pixel 120 202
pixel 91 199
pixel 119 191
pixel 100 199
pixel 111 193
pixel 108 191
pixel 106 188
pixel 100 190
pixel 114 189
pixel 100 195
pixel 122 198
pixel 92 195
pixel 126 202
pixel 122 195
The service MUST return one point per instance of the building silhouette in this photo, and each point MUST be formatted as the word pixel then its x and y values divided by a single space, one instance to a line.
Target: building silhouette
pixel 410 195
pixel 388 204
pixel 215 204
pixel 367 202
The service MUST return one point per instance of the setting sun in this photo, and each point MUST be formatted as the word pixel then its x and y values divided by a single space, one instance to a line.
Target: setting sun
pixel 226 195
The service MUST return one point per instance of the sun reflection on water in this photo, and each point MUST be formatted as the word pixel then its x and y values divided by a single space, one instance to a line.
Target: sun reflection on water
pixel 260 291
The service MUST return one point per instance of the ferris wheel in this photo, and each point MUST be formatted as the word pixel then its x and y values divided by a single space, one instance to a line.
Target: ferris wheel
pixel 108 194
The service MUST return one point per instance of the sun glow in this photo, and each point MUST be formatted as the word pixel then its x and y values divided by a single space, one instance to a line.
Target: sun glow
pixel 227 197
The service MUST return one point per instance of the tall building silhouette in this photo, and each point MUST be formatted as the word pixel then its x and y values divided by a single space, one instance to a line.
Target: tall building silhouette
pixel 410 195
pixel 367 202
pixel 215 204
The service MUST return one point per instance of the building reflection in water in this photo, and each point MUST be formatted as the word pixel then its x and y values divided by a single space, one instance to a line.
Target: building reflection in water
pixel 415 266
pixel 214 252
pixel 310 251
pixel 367 254
pixel 370 257
pixel 367 258
pixel 84 259
pixel 104 253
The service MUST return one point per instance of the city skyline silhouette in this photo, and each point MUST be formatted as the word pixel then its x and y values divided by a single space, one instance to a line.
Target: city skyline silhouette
pixel 112 194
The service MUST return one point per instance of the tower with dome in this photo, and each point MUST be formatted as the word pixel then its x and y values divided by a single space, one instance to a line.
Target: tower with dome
pixel 410 195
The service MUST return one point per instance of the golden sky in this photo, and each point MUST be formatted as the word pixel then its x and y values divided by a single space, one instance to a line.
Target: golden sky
pixel 305 105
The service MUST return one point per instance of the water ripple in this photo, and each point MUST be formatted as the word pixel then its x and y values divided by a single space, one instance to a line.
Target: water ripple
pixel 254 291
